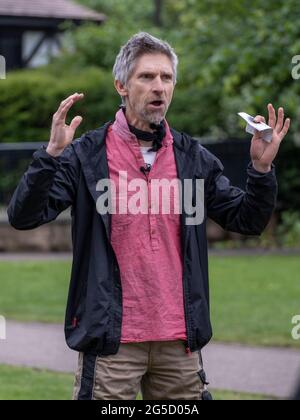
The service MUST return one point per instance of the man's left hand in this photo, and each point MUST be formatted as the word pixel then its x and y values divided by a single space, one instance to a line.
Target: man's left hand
pixel 263 153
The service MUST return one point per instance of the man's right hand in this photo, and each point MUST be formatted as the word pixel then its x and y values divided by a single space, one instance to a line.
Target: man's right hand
pixel 61 133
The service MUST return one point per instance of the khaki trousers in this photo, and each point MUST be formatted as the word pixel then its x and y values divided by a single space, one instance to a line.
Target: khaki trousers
pixel 160 370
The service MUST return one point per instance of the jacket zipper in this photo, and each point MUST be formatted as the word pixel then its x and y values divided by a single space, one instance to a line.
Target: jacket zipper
pixel 183 233
pixel 187 319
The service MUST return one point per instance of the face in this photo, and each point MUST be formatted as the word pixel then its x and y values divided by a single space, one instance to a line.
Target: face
pixel 149 90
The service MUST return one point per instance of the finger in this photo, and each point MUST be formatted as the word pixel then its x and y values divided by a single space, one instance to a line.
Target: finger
pixel 259 119
pixel 285 129
pixel 272 116
pixel 63 113
pixel 62 104
pixel 61 107
pixel 74 96
pixel 280 119
pixel 76 122
pixel 78 97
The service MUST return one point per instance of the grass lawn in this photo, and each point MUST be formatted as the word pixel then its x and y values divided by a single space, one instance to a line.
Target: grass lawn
pixel 18 383
pixel 31 384
pixel 34 291
pixel 253 299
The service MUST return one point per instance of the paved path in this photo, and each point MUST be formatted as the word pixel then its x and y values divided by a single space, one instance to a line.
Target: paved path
pixel 230 367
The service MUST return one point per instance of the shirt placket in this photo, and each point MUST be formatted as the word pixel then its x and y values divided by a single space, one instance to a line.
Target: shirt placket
pixel 153 226
pixel 154 239
pixel 152 218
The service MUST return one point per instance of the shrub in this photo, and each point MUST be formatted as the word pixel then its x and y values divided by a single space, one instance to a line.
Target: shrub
pixel 29 99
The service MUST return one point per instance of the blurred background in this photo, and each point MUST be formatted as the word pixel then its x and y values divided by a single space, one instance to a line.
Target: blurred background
pixel 232 58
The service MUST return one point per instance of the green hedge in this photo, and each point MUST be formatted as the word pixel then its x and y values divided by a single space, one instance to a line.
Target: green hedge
pixel 232 58
pixel 29 99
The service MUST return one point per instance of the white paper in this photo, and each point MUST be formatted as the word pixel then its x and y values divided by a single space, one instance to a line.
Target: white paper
pixel 265 130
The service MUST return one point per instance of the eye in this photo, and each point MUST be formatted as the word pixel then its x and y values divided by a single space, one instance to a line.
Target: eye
pixel 146 76
pixel 167 77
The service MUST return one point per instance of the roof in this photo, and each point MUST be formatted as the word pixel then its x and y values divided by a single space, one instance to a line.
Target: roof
pixel 56 9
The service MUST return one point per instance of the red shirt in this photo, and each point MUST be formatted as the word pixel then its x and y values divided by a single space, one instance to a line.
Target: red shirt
pixel 147 245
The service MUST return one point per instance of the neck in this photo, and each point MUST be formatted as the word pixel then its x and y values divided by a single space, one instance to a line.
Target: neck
pixel 139 124
pixel 145 143
pixel 147 134
pixel 133 120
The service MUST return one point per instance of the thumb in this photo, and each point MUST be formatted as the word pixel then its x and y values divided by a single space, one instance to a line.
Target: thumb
pixel 76 122
pixel 258 119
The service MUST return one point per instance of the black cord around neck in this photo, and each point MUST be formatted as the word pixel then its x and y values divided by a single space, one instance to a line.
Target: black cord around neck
pixel 156 137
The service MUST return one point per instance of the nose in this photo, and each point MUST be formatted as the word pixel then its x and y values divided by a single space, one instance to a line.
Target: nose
pixel 158 85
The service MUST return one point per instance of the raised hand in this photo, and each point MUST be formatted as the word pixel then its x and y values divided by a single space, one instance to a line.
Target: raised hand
pixel 61 133
pixel 263 153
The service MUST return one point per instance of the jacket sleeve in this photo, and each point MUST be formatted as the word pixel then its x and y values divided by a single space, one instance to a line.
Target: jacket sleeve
pixel 46 189
pixel 247 212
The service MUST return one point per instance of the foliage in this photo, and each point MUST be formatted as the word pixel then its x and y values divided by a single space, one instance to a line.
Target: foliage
pixel 9 178
pixel 29 99
pixel 232 58
pixel 289 229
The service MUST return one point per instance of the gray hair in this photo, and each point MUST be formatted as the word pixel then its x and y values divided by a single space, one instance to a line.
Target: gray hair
pixel 140 44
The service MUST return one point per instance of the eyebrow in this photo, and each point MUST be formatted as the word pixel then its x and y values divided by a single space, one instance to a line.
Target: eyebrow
pixel 164 73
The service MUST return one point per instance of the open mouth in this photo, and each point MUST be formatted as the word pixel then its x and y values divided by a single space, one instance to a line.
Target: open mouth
pixel 157 104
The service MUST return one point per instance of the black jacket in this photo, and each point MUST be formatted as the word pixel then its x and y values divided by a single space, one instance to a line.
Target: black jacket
pixel 94 309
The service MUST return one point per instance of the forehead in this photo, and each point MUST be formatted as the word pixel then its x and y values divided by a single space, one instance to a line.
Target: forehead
pixel 153 63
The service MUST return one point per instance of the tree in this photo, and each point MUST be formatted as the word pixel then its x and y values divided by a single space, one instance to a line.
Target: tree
pixel 157 16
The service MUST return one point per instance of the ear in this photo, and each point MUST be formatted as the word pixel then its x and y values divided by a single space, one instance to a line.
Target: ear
pixel 121 89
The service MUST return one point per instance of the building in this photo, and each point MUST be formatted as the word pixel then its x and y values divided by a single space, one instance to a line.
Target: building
pixel 31 30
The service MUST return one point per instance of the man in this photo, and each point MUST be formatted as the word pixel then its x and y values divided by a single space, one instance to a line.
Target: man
pixel 138 305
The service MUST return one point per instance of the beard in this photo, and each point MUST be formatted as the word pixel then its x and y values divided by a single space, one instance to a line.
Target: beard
pixel 153 117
